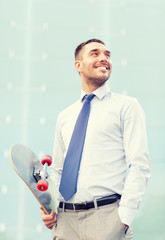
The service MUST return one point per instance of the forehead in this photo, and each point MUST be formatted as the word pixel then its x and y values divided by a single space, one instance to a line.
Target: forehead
pixel 93 46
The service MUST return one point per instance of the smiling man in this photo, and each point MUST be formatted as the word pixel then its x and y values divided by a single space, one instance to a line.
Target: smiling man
pixel 101 162
pixel 94 65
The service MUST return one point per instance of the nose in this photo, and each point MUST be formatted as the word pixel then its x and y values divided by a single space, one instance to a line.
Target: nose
pixel 103 58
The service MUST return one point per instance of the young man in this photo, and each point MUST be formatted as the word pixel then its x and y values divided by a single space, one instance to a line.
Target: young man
pixel 107 195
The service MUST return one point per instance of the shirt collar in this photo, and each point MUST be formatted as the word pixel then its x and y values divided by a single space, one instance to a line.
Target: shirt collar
pixel 100 92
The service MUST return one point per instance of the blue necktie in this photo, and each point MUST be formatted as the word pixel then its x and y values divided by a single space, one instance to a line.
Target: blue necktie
pixel 68 185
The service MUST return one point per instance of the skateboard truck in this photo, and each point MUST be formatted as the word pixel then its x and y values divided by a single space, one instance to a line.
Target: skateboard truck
pixel 41 176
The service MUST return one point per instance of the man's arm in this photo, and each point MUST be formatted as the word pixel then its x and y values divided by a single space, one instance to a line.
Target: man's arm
pixel 137 159
pixel 58 155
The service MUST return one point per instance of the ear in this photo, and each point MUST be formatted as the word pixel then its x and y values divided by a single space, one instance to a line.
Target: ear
pixel 77 65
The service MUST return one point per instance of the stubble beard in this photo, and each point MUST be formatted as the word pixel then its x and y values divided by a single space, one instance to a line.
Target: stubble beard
pixel 97 81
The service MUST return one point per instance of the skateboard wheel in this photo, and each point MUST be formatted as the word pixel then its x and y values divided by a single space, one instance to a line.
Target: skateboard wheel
pixel 46 159
pixel 42 185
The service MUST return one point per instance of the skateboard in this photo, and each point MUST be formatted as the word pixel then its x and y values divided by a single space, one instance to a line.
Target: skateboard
pixel 35 175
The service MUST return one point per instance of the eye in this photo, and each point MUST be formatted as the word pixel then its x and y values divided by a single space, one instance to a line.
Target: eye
pixel 107 55
pixel 94 54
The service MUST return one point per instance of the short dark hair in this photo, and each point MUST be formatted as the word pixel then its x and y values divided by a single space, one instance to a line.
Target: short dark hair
pixel 80 46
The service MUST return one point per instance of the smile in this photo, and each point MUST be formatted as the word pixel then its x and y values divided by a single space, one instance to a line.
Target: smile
pixel 103 66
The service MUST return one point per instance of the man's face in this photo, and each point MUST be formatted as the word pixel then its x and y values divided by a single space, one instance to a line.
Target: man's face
pixel 94 63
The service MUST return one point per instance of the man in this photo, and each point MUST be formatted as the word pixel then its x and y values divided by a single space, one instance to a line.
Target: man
pixel 107 195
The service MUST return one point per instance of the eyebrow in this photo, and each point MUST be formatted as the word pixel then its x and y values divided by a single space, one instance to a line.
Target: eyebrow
pixel 96 50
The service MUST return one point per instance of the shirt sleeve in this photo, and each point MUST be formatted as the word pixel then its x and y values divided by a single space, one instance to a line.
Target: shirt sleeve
pixel 137 159
pixel 58 155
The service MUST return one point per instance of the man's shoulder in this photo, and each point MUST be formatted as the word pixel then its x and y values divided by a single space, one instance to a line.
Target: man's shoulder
pixel 69 109
pixel 127 104
pixel 123 98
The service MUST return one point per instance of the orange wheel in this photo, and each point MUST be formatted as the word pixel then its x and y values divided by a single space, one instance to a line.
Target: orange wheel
pixel 42 185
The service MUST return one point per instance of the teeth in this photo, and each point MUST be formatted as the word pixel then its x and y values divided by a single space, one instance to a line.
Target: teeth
pixel 102 66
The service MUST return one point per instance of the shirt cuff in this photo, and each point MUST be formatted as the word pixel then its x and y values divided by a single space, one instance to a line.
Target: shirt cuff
pixel 126 215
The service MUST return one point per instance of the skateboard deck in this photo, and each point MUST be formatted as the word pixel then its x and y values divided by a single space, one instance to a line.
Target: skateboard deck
pixel 26 164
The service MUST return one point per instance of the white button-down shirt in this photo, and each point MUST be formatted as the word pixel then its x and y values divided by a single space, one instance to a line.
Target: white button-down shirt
pixel 115 143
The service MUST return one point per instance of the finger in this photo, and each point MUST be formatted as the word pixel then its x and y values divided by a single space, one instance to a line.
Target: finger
pixel 44 215
pixel 43 211
pixel 53 214
pixel 49 218
pixel 50 226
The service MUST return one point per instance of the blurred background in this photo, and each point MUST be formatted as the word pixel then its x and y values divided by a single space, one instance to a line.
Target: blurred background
pixel 38 80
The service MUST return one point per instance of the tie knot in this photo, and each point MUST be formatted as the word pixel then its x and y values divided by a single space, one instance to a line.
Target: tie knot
pixel 89 97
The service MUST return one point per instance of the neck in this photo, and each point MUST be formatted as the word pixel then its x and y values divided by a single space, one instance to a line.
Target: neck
pixel 89 88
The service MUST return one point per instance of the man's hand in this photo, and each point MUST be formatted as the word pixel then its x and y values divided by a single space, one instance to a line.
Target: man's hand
pixel 49 220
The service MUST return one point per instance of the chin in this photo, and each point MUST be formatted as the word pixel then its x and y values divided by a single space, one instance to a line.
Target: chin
pixel 103 78
pixel 100 82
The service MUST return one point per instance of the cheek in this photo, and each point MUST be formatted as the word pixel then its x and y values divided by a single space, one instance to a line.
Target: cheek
pixel 110 63
pixel 87 67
